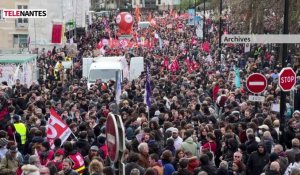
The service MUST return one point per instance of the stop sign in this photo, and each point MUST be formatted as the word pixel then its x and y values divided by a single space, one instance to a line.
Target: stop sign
pixel 112 137
pixel 287 79
pixel 256 83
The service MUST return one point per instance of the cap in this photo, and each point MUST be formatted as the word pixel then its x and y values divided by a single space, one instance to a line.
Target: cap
pixel 265 127
pixel 13 148
pixel 94 148
pixel 60 152
pixel 170 129
pixel 175 130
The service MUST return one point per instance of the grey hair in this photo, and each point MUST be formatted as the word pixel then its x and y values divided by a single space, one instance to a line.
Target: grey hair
pixel 142 146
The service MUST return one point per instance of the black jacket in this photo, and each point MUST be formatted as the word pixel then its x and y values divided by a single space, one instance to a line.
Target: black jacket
pixel 130 166
pixel 257 162
pixel 183 172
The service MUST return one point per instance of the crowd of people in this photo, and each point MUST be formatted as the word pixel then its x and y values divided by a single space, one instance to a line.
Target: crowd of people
pixel 200 121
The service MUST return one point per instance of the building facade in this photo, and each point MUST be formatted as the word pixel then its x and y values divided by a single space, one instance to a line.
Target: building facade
pixel 13 32
pixel 16 33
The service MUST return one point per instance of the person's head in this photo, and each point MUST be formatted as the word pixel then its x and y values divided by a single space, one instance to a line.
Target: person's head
pixel 95 167
pixel 274 166
pixel 34 160
pixel 153 159
pixel 295 143
pixel 179 154
pixel 30 170
pixel 94 151
pixel 59 155
pixel 174 133
pixel 261 148
pixel 132 157
pixel 68 147
pixel 202 173
pixel 44 170
pixel 135 171
pixel 143 148
pixel 204 159
pixel 223 165
pixel 13 150
pixel 183 163
pixel 278 148
pixel 67 164
pixel 167 156
pixel 57 142
pixel 292 123
pixel 297 158
pixel 237 156
pixel 45 146
pixel 150 171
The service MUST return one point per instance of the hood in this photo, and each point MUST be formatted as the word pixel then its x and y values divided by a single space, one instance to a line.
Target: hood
pixel 189 140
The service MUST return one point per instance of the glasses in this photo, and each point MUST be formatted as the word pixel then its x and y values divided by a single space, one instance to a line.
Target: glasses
pixel 237 156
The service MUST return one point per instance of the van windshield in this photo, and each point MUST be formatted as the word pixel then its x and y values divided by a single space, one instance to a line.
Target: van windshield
pixel 103 74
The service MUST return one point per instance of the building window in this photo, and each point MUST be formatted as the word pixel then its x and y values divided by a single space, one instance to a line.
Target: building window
pixel 1 15
pixel 20 40
pixel 159 1
pixel 22 20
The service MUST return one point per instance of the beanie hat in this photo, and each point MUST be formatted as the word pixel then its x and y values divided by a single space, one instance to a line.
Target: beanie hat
pixel 3 142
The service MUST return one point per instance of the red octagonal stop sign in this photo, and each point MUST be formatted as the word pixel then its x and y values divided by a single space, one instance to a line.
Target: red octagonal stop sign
pixel 287 79
pixel 256 83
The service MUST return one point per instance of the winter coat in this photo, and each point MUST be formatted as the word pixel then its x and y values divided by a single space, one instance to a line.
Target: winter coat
pixel 190 145
pixel 159 169
pixel 9 165
pixel 130 166
pixel 83 147
pixel 257 162
pixel 291 154
pixel 182 172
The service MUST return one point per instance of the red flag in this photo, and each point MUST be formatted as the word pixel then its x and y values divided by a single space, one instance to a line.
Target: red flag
pixel 206 47
pixel 56 128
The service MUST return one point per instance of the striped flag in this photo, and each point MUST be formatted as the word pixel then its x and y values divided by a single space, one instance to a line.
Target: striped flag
pixel 148 87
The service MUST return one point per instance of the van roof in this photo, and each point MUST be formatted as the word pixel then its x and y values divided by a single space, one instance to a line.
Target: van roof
pixel 106 65
pixel 108 59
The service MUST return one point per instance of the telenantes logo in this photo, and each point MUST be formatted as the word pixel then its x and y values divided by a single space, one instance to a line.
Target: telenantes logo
pixel 24 13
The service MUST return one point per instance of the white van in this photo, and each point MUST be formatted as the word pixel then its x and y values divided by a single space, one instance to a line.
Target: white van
pixel 136 67
pixel 105 68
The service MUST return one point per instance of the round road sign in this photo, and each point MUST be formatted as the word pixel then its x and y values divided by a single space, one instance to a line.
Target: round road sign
pixel 256 83
pixel 112 137
pixel 287 79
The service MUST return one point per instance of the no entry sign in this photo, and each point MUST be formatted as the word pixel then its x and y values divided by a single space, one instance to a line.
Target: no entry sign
pixel 287 79
pixel 256 83
pixel 112 137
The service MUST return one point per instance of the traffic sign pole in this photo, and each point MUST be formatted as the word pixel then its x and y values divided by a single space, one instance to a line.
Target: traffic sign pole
pixel 283 62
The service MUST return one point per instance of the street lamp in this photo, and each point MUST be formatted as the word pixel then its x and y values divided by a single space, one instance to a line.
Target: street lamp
pixel 220 31
pixel 203 21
